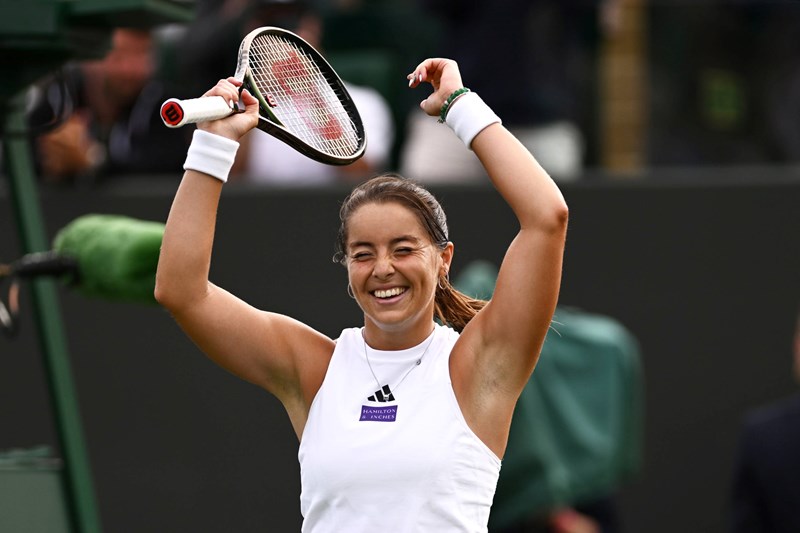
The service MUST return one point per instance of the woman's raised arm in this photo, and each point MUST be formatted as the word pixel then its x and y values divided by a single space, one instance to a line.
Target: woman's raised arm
pixel 182 277
pixel 500 346
pixel 257 346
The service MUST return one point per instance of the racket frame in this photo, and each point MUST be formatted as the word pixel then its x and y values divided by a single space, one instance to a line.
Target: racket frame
pixel 268 121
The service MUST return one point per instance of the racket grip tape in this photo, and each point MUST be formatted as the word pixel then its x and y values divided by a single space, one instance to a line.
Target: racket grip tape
pixel 176 113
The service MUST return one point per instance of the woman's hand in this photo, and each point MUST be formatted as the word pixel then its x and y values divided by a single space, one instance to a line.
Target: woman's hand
pixel 236 125
pixel 443 75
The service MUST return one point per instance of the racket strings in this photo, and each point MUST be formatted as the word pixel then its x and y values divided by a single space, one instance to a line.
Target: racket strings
pixel 304 99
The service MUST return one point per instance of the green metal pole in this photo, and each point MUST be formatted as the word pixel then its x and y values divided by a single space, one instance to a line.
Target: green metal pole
pixel 77 479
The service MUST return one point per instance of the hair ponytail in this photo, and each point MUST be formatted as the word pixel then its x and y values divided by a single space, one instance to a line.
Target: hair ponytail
pixel 453 307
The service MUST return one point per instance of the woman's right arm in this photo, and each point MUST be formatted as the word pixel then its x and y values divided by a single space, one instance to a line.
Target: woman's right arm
pixel 260 347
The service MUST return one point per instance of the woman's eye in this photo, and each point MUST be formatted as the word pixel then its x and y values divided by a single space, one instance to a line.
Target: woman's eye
pixel 403 251
pixel 360 256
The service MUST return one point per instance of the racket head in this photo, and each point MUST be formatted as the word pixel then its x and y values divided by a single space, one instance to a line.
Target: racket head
pixel 302 100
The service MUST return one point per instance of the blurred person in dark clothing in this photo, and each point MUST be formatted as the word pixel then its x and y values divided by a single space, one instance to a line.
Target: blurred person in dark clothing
pixel 550 42
pixel 207 51
pixel 766 481
pixel 114 126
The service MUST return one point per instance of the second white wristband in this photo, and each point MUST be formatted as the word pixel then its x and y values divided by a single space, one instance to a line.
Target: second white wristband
pixel 211 154
pixel 468 116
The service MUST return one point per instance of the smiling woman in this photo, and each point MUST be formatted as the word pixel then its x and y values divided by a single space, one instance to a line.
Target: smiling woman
pixel 417 238
pixel 402 422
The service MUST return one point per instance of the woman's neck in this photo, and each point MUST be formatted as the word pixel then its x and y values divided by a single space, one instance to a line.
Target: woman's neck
pixel 400 338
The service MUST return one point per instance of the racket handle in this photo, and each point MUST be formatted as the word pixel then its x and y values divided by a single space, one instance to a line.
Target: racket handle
pixel 176 113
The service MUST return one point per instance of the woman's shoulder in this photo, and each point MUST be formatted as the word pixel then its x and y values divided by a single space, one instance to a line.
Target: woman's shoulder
pixel 348 336
pixel 447 335
pixel 446 330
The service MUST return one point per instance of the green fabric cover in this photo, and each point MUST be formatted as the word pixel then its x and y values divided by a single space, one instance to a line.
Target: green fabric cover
pixel 117 255
pixel 577 428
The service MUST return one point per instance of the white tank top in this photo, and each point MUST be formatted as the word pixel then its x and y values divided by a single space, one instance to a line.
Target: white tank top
pixel 409 464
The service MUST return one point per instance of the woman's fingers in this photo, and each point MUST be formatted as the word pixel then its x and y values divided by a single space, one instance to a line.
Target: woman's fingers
pixel 444 77
pixel 236 124
pixel 248 98
pixel 250 102
pixel 433 69
pixel 414 79
pixel 228 89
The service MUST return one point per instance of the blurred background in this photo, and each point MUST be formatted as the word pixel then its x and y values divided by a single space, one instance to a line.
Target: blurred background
pixel 672 127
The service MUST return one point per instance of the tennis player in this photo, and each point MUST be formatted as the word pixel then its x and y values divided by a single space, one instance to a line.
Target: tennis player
pixel 403 421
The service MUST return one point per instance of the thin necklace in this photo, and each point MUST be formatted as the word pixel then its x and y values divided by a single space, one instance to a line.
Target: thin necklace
pixel 387 390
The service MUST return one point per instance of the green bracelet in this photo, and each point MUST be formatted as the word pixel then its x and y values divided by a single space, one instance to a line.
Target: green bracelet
pixel 446 105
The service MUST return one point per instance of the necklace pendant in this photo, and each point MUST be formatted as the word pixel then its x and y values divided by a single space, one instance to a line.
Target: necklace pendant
pixel 384 393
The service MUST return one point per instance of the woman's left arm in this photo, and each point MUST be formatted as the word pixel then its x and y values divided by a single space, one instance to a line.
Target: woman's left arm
pixel 500 346
pixel 511 328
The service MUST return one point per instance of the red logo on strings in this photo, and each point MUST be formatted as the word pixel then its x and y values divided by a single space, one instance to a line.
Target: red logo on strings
pixel 291 74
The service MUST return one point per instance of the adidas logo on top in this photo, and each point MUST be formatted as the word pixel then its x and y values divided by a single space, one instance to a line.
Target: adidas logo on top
pixel 383 394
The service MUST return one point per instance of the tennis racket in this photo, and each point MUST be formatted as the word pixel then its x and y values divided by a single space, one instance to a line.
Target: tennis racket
pixel 302 101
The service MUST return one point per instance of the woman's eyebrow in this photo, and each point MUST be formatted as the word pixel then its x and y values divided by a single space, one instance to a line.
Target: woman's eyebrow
pixel 403 238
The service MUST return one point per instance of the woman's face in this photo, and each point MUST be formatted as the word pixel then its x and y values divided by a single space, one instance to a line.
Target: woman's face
pixel 393 267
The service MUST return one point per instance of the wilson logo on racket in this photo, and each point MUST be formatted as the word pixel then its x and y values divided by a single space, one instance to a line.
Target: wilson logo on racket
pixel 172 113
pixel 318 117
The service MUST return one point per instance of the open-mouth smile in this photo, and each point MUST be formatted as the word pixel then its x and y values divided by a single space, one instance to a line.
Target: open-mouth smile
pixel 389 293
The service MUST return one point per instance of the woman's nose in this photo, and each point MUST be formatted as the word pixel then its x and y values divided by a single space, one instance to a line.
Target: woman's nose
pixel 383 267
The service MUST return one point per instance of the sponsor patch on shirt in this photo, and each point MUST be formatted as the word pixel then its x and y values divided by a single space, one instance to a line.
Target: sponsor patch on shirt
pixel 378 414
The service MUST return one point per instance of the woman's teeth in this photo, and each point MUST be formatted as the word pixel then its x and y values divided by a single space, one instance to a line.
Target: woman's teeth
pixel 389 292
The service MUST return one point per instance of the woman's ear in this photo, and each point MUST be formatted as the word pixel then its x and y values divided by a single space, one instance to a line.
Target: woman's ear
pixel 447 257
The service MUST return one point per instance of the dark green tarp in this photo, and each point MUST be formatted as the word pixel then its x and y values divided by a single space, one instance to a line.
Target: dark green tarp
pixel 577 428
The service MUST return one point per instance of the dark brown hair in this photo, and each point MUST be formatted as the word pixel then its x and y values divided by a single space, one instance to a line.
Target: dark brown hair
pixel 450 306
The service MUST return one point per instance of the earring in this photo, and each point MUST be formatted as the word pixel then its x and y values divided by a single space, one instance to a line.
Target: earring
pixel 350 291
pixel 446 279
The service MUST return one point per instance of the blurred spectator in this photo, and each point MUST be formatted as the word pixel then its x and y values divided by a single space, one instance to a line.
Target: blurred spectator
pixel 113 126
pixel 214 40
pixel 207 49
pixel 550 42
pixel 766 482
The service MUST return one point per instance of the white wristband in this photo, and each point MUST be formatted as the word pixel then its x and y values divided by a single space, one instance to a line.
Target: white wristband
pixel 211 154
pixel 468 116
